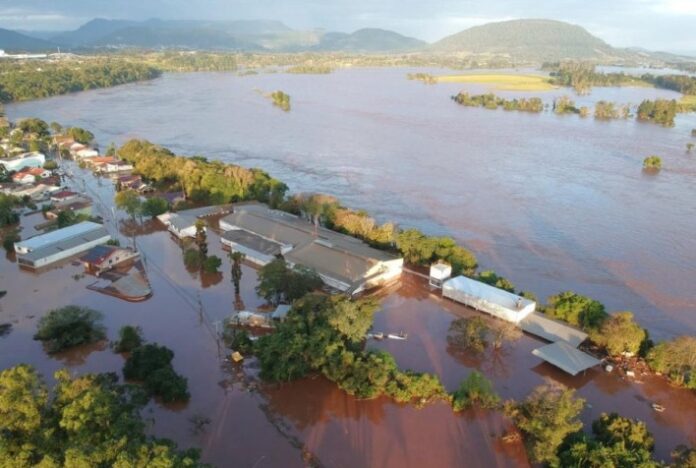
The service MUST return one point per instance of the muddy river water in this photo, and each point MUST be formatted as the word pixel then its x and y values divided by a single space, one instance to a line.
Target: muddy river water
pixel 551 202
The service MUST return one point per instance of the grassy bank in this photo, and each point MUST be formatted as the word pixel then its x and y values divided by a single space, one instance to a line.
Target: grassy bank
pixel 502 82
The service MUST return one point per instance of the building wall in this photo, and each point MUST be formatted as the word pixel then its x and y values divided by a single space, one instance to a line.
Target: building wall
pixel 65 253
pixel 514 316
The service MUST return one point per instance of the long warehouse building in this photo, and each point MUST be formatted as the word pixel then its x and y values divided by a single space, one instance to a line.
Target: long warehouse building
pixel 45 249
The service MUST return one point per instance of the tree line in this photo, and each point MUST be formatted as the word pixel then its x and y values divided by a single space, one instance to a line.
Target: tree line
pixel 491 101
pixel 21 82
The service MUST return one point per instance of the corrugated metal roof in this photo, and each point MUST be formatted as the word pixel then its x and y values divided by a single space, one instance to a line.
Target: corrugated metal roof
pixel 566 357
pixel 331 262
pixel 58 235
pixel 252 241
pixel 65 244
pixel 552 330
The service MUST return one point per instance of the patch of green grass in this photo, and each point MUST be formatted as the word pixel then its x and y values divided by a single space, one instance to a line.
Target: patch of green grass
pixel 503 82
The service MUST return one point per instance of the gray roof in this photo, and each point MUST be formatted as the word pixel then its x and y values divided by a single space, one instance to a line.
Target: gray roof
pixel 332 262
pixel 65 244
pixel 43 240
pixel 281 311
pixel 180 222
pixel 552 330
pixel 566 357
pixel 252 241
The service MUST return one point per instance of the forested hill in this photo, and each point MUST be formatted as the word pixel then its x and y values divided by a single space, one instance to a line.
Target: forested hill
pixel 11 41
pixel 529 39
pixel 369 40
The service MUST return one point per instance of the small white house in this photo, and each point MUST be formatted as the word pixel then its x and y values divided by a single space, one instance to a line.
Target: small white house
pixel 86 153
pixel 180 226
pixel 117 166
pixel 439 273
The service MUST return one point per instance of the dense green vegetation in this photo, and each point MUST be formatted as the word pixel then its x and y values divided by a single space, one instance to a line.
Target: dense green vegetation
pixel 660 111
pixel 491 101
pixel 619 333
pixel 680 83
pixel 576 309
pixel 426 78
pixel 475 390
pixel 605 110
pixel 151 364
pixel 80 135
pixel 129 338
pixel 202 181
pixel 565 105
pixel 20 82
pixel 69 326
pixel 652 163
pixel 419 249
pixel 676 359
pixel 280 283
pixel 89 420
pixel 8 204
pixel 280 99
pixel 545 418
pixel 154 206
pixel 310 69
pixel 470 334
pixel 325 334
pixel 581 76
pixel 615 442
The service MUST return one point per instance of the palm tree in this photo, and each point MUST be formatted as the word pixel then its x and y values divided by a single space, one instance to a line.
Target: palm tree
pixel 237 258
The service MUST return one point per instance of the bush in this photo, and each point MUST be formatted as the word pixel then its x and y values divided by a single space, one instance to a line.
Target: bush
pixel 489 277
pixel 9 239
pixel 469 333
pixel 475 390
pixel 652 163
pixel 278 282
pixel 576 309
pixel 677 359
pixel 620 334
pixel 69 326
pixel 154 206
pixel 50 165
pixel 129 338
pixel 151 365
pixel 211 264
pixel 168 385
pixel 545 418
pixel 192 259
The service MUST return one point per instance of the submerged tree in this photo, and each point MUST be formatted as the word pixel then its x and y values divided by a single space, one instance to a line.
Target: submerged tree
pixel 237 258
pixel 201 240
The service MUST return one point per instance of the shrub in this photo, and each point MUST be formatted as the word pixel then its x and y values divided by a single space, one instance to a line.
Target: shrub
pixel 677 359
pixel 475 390
pixel 151 365
pixel 652 163
pixel 576 309
pixel 192 259
pixel 155 206
pixel 620 334
pixel 69 326
pixel 469 333
pixel 211 264
pixel 545 418
pixel 50 165
pixel 489 277
pixel 278 282
pixel 129 338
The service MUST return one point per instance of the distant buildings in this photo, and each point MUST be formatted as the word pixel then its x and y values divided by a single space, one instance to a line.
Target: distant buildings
pixel 64 196
pixel 46 249
pixel 28 176
pixel 343 262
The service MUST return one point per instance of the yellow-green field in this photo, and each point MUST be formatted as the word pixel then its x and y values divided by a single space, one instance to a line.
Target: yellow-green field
pixel 687 103
pixel 502 82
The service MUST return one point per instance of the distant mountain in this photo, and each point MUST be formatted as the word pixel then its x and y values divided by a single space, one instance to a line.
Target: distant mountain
pixel 175 37
pixel 529 39
pixel 91 32
pixel 11 41
pixel 369 40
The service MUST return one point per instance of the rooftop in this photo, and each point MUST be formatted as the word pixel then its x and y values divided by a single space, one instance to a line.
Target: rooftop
pixel 333 262
pixel 252 241
pixel 98 254
pixel 61 245
pixel 551 330
pixel 74 231
pixel 566 357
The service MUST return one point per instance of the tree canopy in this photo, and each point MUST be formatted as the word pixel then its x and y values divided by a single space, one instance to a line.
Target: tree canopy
pixel 69 326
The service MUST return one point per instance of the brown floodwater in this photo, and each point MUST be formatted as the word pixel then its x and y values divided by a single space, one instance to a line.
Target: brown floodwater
pixel 251 423
pixel 551 202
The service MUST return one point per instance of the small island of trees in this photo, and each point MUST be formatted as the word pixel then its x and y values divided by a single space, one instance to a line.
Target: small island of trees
pixel 652 163
pixel 491 101
pixel 280 99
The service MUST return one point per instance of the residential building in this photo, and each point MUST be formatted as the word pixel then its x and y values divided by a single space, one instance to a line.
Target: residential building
pixel 64 196
pixel 103 258
pixel 86 152
pixel 29 175
pixel 46 249
pixel 116 166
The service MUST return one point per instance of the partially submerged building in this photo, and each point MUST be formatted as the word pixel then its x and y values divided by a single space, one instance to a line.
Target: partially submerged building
pixel 486 298
pixel 16 163
pixel 343 262
pixel 103 258
pixel 183 223
pixel 45 249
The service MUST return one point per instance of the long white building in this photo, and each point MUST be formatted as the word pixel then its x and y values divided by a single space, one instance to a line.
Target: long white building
pixel 45 249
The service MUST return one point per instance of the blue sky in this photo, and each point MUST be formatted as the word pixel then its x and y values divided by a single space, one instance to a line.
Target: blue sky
pixel 654 24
